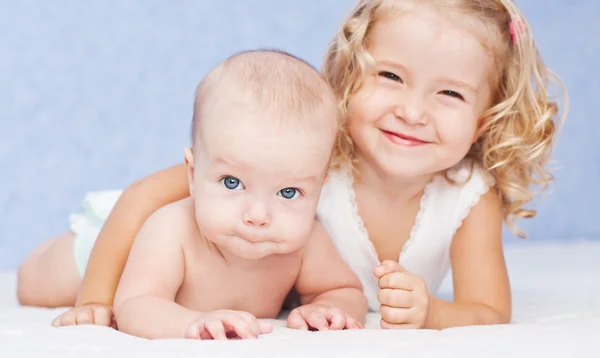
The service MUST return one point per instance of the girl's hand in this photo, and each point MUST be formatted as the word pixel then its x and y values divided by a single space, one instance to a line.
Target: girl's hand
pixel 403 296
pixel 97 314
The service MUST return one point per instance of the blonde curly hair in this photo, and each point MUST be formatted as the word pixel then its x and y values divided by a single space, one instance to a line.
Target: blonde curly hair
pixel 517 134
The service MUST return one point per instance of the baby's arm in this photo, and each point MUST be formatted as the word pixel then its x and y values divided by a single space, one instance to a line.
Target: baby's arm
pixel 144 302
pixel 481 286
pixel 325 279
pixel 112 247
pixel 145 299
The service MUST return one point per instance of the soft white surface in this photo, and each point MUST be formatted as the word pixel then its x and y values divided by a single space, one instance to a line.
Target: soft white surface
pixel 556 290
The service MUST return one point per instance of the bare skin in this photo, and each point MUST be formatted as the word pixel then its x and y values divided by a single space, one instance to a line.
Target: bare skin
pixel 209 265
pixel 184 291
pixel 431 84
pixel 49 276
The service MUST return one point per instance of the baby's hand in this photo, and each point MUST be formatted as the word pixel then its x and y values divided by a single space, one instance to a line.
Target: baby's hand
pixel 101 315
pixel 321 317
pixel 403 296
pixel 225 324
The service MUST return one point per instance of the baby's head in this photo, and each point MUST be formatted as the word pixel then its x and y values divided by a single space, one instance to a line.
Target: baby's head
pixel 263 131
pixel 425 83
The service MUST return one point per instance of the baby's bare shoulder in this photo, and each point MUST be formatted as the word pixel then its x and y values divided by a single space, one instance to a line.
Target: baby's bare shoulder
pixel 181 212
pixel 175 220
pixel 319 240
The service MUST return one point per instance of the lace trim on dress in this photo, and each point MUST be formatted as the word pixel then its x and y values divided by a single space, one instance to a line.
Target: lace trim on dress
pixel 424 203
pixel 349 180
pixel 464 171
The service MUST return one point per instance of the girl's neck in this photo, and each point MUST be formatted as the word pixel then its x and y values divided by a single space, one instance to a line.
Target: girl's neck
pixel 386 187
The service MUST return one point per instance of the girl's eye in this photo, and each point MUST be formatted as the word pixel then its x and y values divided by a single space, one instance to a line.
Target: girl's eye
pixel 390 76
pixel 232 183
pixel 453 94
pixel 289 193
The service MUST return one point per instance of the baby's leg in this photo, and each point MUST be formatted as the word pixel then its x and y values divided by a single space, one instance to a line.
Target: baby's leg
pixel 49 276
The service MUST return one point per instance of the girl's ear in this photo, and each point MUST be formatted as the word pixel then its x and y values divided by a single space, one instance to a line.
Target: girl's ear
pixel 189 164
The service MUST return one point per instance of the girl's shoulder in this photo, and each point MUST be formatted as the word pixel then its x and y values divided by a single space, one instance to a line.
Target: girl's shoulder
pixel 468 172
pixel 458 190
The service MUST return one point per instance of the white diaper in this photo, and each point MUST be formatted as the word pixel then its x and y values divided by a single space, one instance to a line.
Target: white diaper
pixel 87 224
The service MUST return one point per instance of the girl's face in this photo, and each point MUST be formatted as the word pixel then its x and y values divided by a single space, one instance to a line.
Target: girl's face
pixel 419 113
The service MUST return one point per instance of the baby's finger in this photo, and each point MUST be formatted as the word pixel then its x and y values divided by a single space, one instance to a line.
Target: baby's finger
pixel 236 323
pixel 252 322
pixel 351 323
pixel 395 298
pixel 395 315
pixel 102 316
pixel 264 327
pixel 296 321
pixel 387 267
pixel 387 325
pixel 318 321
pixel 193 331
pixel 216 329
pixel 337 319
pixel 398 280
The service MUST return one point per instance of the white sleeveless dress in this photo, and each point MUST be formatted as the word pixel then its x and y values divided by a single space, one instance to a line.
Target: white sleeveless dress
pixel 427 252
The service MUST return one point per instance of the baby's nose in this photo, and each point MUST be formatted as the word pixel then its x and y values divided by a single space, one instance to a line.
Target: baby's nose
pixel 258 215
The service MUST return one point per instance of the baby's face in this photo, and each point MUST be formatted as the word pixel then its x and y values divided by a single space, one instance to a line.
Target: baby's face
pixel 258 180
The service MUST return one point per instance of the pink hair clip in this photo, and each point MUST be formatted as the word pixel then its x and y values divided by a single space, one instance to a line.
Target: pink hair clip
pixel 517 29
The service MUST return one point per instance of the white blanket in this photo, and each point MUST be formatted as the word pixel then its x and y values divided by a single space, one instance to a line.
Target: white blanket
pixel 556 313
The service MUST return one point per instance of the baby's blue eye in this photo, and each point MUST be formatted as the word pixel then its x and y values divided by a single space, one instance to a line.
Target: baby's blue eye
pixel 232 183
pixel 289 193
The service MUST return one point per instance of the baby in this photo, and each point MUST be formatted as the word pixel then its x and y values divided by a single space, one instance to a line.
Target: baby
pixel 208 266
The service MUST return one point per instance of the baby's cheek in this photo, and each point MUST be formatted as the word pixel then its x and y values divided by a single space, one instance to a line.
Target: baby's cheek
pixel 298 229
pixel 213 219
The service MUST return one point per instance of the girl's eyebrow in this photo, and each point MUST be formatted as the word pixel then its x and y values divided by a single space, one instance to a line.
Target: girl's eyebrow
pixel 459 83
pixel 392 64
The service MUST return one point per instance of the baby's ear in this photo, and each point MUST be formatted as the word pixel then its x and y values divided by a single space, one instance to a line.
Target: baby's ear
pixel 189 165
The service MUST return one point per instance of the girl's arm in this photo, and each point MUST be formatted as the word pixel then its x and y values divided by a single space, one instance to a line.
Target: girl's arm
pixel 481 286
pixel 112 246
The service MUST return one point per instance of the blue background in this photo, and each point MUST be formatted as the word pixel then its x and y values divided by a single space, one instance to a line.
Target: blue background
pixel 95 94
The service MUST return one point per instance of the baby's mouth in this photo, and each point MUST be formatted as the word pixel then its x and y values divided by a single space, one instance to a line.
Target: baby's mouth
pixel 251 238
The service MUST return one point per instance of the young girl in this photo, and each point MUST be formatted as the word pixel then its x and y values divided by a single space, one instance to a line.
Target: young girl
pixel 448 125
